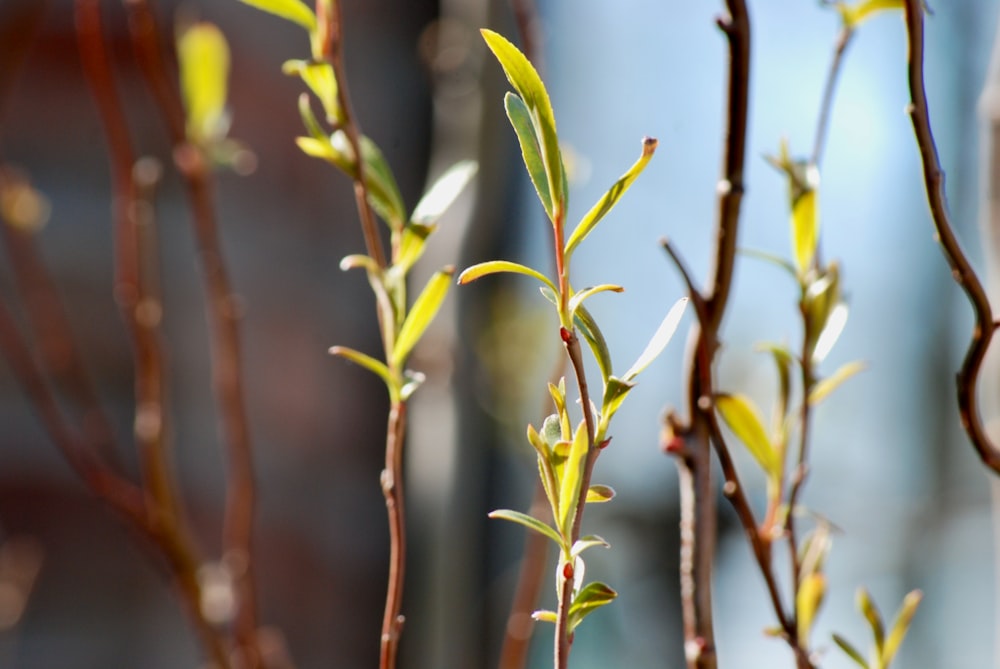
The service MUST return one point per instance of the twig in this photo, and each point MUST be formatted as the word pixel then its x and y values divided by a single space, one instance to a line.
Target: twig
pixel 967 379
pixel 826 106
pixel 224 316
pixel 392 488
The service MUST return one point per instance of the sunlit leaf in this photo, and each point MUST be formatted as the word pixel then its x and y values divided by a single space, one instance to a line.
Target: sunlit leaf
pixel 411 245
pixel 805 229
pixel 610 198
pixel 851 651
pixel 595 338
pixel 589 541
pixel 812 589
pixel 590 598
pixel 581 295
pixel 832 382
pixel 295 11
pixel 615 391
pixel 742 417
pixel 544 615
pixel 524 78
pixel 383 193
pixel 874 618
pixel 357 261
pixel 662 336
pixel 531 152
pixel 444 192
pixel 598 493
pixel 836 320
pixel 421 314
pixel 366 361
pixel 529 522
pixel 319 77
pixel 572 478
pixel 203 59
pixel 315 130
pixel 411 381
pixel 853 15
pixel 901 626
pixel 497 266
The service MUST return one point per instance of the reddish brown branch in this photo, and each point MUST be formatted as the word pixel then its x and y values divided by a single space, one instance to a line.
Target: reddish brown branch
pixel 967 379
pixel 224 316
pixel 393 489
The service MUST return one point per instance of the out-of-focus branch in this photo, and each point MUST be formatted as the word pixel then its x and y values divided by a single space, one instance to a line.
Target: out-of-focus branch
pixel 826 106
pixel 967 378
pixel 224 315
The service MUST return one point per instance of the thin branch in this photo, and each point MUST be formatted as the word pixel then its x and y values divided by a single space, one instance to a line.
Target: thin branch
pixel 967 379
pixel 392 488
pixel 826 106
pixel 224 316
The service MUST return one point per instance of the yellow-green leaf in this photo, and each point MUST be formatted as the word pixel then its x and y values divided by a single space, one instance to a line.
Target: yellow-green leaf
pixel 599 493
pixel 851 651
pixel 544 615
pixel 421 314
pixel 531 152
pixel 874 618
pixel 820 391
pixel 595 338
pixel 320 79
pixel 444 192
pixel 203 58
pixel 901 626
pixel 524 78
pixel 742 417
pixel 660 339
pixel 366 361
pixel 805 229
pixel 590 598
pixel 529 522
pixel 610 198
pixel 810 596
pixel 572 479
pixel 497 266
pixel 854 15
pixel 581 295
pixel 589 541
pixel 295 11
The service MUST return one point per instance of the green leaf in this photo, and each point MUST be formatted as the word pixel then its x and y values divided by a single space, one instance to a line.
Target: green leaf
pixel 874 618
pixel 598 494
pixel 497 266
pixel 615 391
pixel 366 361
pixel 316 131
pixel 320 79
pixel 805 229
pixel 545 615
pixel 594 336
pixel 383 193
pixel 660 339
pixel 411 245
pixel 851 651
pixel 520 120
pixel 525 80
pixel 421 314
pixel 853 15
pixel 820 391
pixel 901 626
pixel 742 417
pixel 203 59
pixel 773 259
pixel 444 192
pixel 580 296
pixel 590 598
pixel 529 522
pixel 610 198
pixel 295 11
pixel 807 602
pixel 589 541
pixel 572 479
pixel 783 362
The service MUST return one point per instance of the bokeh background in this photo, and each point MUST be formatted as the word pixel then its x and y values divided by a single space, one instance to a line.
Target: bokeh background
pixel 891 467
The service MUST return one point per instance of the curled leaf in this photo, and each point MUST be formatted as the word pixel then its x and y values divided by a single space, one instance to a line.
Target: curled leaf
pixel 589 541
pixel 529 522
pixel 598 493
pixel 366 361
pixel 497 266
pixel 581 295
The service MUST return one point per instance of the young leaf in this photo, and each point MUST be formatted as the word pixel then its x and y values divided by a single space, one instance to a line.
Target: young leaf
pixel 829 384
pixel 520 119
pixel 316 131
pixel 572 479
pixel 295 11
pixel 411 245
pixel 615 391
pixel 772 259
pixel 580 296
pixel 319 77
pixel 805 229
pixel 524 78
pixel 742 417
pixel 874 618
pixel 832 328
pixel 589 541
pixel 383 193
pixel 358 260
pixel 807 603
pixel 544 615
pixel 901 626
pixel 590 598
pixel 783 362
pixel 527 521
pixel 851 651
pixel 203 58
pixel 599 493
pixel 594 336
pixel 660 339
pixel 853 16
pixel 496 266
pixel 444 192
pixel 421 314
pixel 610 198
pixel 366 361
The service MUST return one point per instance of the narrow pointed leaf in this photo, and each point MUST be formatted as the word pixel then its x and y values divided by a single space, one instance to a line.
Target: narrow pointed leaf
pixel 366 361
pixel 529 522
pixel 421 314
pixel 599 493
pixel 594 336
pixel 832 329
pixel 854 15
pixel 615 391
pixel 295 11
pixel 581 295
pixel 444 192
pixel 319 77
pixel 874 618
pixel 203 59
pixel 589 541
pixel 383 193
pixel 807 603
pixel 590 598
pixel 832 382
pixel 805 229
pixel 411 245
pixel 544 615
pixel 660 339
pixel 772 259
pixel 524 78
pixel 742 417
pixel 497 266
pixel 572 479
pixel 531 152
pixel 309 119
pixel 901 626
pixel 851 651
pixel 610 198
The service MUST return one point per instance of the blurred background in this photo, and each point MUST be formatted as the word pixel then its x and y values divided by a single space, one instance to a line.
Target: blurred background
pixel 891 467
